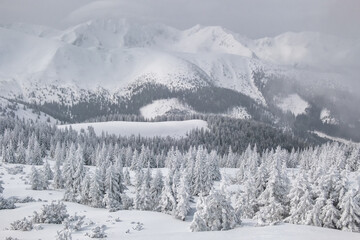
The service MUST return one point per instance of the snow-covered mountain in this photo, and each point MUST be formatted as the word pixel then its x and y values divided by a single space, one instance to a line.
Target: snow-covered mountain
pixel 109 59
pixel 116 54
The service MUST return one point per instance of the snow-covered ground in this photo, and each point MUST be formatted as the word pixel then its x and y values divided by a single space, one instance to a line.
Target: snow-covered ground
pixel 293 103
pixel 155 225
pixel 164 106
pixel 146 129
pixel 337 139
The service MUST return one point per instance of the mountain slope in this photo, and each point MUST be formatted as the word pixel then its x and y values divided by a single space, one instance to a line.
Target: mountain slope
pixel 108 66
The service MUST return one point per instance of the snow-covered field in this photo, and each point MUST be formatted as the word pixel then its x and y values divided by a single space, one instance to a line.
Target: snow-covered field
pixel 293 103
pixel 155 225
pixel 146 129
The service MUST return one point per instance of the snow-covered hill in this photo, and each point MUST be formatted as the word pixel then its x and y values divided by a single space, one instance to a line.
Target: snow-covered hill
pixel 174 129
pixel 21 111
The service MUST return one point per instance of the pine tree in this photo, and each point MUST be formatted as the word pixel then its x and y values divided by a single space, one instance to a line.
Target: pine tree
pixel 113 186
pixel 301 200
pixel 202 182
pixel 214 167
pixel 157 185
pixel 21 156
pixel 330 215
pixel 350 212
pixel 48 173
pixel 143 199
pixel 167 203
pixel 97 189
pixel 183 198
pixel 85 197
pixel 274 199
pixel 314 216
pixel 214 213
pixel 246 201
pixel 127 180
pixel 58 182
pixel 37 180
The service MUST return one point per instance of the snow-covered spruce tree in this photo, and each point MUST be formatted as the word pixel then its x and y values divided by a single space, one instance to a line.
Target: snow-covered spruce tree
pixel 246 204
pixel 143 199
pixel 354 159
pixel 330 215
pixel 274 200
pixel 214 213
pixel 350 211
pixel 314 216
pixel 1 186
pixel 139 175
pixel 85 197
pixel 214 167
pixel 301 199
pixel 58 182
pixel 21 153
pixel 68 174
pixel 38 180
pixel 97 189
pixel 202 182
pixel 157 184
pixel 48 173
pixel 36 157
pixel 79 173
pixel 183 198
pixel 113 186
pixel 199 223
pixel 167 203
pixel 127 180
pixel 9 155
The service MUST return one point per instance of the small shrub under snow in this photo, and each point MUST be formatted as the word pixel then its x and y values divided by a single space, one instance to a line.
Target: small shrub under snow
pixel 54 213
pixel 97 232
pixel 22 225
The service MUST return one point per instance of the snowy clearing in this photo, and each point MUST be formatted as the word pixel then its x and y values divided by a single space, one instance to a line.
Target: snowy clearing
pixel 164 106
pixel 293 103
pixel 337 139
pixel 174 129
pixel 122 224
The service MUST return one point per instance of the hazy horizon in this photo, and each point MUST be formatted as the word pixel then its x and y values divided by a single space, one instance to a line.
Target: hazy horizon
pixel 250 18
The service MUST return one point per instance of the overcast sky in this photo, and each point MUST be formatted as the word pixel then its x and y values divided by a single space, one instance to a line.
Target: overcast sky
pixel 252 18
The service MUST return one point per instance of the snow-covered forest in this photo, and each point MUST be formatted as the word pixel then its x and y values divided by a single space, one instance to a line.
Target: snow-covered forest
pixel 317 185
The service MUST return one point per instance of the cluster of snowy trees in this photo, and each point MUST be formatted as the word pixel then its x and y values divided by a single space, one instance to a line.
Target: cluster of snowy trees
pixel 320 195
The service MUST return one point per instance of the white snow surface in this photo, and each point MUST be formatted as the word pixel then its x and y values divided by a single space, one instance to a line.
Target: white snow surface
pixel 156 225
pixel 163 106
pixel 293 103
pixel 337 139
pixel 175 129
